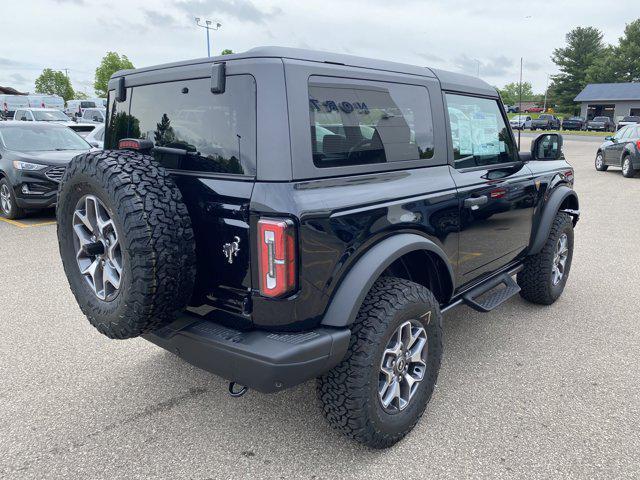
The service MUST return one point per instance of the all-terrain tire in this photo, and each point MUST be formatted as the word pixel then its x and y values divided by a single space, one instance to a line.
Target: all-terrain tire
pixel 9 207
pixel 155 235
pixel 349 392
pixel 536 278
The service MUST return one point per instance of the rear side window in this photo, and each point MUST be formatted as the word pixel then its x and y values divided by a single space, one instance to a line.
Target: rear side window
pixel 369 123
pixel 215 133
pixel 479 133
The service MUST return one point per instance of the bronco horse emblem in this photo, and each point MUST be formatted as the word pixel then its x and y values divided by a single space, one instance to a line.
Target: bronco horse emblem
pixel 231 249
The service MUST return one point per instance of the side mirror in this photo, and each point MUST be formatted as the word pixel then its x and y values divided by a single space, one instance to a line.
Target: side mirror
pixel 547 147
pixel 94 144
pixel 96 118
pixel 609 138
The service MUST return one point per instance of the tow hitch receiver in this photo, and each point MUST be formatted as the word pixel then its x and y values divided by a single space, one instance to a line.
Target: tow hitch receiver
pixel 237 393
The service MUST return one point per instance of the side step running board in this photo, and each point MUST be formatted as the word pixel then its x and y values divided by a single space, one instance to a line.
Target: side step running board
pixel 483 299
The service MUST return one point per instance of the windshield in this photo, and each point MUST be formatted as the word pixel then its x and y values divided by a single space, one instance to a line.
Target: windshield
pixel 631 119
pixel 30 138
pixel 49 116
pixel 576 118
pixel 601 119
pixel 545 117
pixel 87 104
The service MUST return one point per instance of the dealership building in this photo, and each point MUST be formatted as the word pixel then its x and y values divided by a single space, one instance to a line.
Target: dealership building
pixel 613 100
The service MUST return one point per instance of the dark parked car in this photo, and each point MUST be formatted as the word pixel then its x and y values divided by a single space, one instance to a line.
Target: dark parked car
pixel 622 150
pixel 546 121
pixel 603 124
pixel 33 157
pixel 281 214
pixel 630 120
pixel 512 108
pixel 573 123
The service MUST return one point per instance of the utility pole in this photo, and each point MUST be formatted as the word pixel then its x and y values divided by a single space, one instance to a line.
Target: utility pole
pixel 478 69
pixel 546 89
pixel 207 26
pixel 520 103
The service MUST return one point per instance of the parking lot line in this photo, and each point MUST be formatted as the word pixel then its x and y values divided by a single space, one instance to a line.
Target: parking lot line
pixel 15 223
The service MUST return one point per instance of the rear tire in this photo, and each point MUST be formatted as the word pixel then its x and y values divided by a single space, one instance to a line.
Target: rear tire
pixel 627 167
pixel 8 205
pixel 354 392
pixel 600 165
pixel 539 280
pixel 127 207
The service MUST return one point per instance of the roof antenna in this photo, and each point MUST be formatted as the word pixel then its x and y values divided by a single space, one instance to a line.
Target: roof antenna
pixel 520 104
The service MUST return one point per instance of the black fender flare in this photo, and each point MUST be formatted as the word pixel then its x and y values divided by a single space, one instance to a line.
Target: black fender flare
pixel 549 212
pixel 345 303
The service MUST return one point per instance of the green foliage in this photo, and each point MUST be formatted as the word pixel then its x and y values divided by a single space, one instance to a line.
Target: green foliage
pixel 111 63
pixel 584 47
pixel 227 51
pixel 619 63
pixel 510 93
pixel 80 96
pixel 52 82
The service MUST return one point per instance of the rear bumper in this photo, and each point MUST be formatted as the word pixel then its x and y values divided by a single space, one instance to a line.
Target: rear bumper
pixel 264 361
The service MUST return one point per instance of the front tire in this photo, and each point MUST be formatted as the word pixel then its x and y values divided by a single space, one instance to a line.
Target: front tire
pixel 380 390
pixel 600 165
pixel 545 274
pixel 627 167
pixel 8 205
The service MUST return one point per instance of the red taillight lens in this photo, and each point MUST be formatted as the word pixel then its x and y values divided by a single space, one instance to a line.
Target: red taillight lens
pixel 277 250
pixel 638 145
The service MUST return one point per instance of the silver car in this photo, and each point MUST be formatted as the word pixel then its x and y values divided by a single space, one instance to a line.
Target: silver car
pixel 520 122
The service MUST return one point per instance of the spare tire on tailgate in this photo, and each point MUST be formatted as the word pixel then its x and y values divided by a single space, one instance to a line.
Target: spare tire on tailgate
pixel 126 242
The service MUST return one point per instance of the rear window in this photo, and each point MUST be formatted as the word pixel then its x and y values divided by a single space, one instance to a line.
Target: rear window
pixel 87 105
pixel 601 119
pixel 192 128
pixel 369 123
pixel 631 119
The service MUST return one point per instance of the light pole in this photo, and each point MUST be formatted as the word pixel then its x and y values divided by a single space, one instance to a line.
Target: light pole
pixel 207 26
pixel 546 89
pixel 478 62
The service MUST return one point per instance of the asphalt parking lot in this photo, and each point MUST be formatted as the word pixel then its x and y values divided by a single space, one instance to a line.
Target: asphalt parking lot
pixel 524 392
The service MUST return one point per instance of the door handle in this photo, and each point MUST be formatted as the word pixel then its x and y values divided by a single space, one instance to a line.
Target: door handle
pixel 474 203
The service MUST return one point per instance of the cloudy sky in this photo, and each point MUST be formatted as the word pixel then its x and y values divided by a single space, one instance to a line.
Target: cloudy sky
pixel 456 35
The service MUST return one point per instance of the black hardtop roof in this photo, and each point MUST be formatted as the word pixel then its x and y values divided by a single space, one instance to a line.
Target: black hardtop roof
pixel 448 80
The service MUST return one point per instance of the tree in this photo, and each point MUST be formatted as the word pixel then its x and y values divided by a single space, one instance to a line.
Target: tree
pixel 510 93
pixel 584 47
pixel 81 95
pixel 53 82
pixel 619 63
pixel 111 63
pixel 227 51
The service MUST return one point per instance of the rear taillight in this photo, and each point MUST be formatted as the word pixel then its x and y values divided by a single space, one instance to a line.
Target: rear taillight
pixel 638 145
pixel 277 251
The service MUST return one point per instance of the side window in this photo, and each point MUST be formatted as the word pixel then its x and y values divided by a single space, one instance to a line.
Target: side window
pixel 369 123
pixel 479 133
pixel 217 132
pixel 118 121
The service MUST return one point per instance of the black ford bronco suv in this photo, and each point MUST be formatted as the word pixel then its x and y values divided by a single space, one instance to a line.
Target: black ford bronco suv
pixel 280 215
